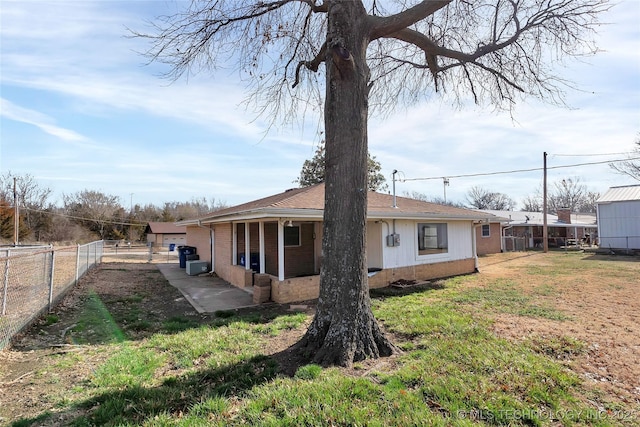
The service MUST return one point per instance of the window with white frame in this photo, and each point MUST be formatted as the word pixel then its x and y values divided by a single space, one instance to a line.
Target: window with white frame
pixel 486 230
pixel 432 238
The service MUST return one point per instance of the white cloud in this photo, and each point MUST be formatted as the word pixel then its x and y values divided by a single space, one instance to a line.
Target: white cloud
pixel 41 121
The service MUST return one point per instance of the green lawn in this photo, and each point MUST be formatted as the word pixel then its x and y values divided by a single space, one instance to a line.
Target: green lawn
pixel 453 370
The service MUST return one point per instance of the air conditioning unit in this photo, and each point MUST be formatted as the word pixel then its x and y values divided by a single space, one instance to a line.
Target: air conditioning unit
pixel 197 267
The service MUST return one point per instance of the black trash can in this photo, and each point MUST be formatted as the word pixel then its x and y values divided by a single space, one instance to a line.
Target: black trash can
pixel 254 261
pixel 183 251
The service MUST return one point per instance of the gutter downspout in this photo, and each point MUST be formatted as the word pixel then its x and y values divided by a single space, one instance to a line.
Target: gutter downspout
pixel 474 243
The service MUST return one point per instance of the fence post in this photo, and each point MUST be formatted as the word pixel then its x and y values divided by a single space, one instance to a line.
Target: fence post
pixel 6 284
pixel 77 262
pixel 53 267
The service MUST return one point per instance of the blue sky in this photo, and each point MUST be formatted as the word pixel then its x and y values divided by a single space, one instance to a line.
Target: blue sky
pixel 81 110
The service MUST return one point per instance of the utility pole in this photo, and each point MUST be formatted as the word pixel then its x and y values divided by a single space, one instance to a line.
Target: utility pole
pixel 16 217
pixel 545 235
pixel 130 218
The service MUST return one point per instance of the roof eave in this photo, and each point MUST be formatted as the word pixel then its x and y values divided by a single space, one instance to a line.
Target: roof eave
pixel 317 214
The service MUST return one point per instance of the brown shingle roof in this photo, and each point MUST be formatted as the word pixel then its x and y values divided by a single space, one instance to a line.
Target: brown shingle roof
pixel 310 201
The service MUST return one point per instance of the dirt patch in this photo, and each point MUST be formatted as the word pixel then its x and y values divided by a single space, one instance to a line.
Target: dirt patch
pixel 602 310
pixel 29 370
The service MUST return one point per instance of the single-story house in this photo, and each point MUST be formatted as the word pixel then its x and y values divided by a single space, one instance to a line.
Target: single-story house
pixel 523 230
pixel 162 234
pixel 619 218
pixel 281 236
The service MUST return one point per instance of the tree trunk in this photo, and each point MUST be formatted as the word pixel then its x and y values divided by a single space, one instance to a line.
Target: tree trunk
pixel 344 329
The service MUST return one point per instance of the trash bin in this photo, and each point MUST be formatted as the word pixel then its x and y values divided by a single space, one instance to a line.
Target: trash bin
pixel 172 247
pixel 183 251
pixel 254 261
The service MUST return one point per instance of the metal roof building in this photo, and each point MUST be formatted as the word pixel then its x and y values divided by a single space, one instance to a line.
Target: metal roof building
pixel 619 218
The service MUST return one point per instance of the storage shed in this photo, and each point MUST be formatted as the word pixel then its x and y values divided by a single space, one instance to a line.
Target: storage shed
pixel 619 218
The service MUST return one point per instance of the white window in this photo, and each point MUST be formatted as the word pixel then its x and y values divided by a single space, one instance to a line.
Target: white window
pixel 486 230
pixel 432 238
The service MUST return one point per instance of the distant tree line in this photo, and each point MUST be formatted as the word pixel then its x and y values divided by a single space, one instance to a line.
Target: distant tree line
pixel 566 193
pixel 85 215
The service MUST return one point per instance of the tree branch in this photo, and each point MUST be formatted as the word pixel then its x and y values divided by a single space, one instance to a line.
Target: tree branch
pixel 312 65
pixel 384 26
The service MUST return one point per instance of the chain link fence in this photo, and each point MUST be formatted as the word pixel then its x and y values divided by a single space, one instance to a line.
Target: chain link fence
pixel 34 278
pixel 514 244
pixel 618 243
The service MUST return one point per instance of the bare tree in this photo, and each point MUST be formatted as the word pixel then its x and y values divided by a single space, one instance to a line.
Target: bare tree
pixel 588 204
pixel 99 212
pixel 32 200
pixel 630 167
pixel 178 211
pixel 572 194
pixel 481 198
pixel 432 199
pixel 375 55
pixel 532 203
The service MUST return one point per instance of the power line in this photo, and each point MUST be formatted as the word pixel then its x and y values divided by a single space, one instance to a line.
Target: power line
pixel 469 175
pixel 105 221
pixel 590 155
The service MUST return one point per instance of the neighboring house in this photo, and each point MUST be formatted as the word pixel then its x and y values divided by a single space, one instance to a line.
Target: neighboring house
pixel 524 230
pixel 164 233
pixel 619 218
pixel 281 236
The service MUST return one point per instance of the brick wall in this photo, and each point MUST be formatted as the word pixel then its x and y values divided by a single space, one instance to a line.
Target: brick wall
pixel 304 288
pixel 223 250
pixel 299 260
pixel 199 238
pixel 422 272
pixel 564 215
pixel 491 244
pixel 296 289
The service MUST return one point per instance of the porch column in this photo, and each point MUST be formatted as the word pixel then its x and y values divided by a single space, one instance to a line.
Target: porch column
pixel 247 247
pixel 280 251
pixel 261 238
pixel 234 244
pixel 212 241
